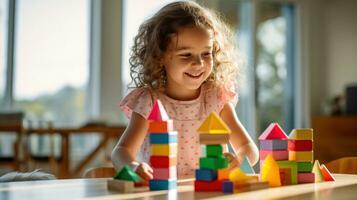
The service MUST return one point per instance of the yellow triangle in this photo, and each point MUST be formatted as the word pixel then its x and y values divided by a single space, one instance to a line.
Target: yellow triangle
pixel 213 124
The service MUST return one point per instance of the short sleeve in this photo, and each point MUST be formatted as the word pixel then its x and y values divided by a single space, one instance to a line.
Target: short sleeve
pixel 140 100
pixel 225 96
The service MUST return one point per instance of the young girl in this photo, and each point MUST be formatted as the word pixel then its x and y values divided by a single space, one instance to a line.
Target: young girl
pixel 184 57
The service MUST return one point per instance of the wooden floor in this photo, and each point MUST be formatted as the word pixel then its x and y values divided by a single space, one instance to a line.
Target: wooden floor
pixel 345 187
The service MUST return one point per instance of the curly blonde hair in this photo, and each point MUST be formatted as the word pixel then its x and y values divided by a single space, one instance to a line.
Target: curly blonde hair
pixel 153 39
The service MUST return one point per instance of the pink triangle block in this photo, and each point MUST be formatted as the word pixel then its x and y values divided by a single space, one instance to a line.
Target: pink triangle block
pixel 158 112
pixel 274 131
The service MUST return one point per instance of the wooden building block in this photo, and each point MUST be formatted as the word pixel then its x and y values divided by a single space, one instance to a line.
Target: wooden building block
pixel 306 178
pixel 160 138
pixel 273 144
pixel 126 173
pixel 301 134
pixel 316 169
pixel 213 124
pixel 251 186
pixel 214 138
pixel 290 171
pixel 120 185
pixel 162 184
pixel 158 112
pixel 223 174
pixel 326 173
pixel 274 131
pixel 227 187
pixel 237 175
pixel 246 167
pixel 270 172
pixel 205 174
pixel 214 150
pixel 165 173
pixel 304 166
pixel 163 161
pixel 208 186
pixel 161 126
pixel 213 163
pixel 300 145
pixel 164 149
pixel 301 156
pixel 277 155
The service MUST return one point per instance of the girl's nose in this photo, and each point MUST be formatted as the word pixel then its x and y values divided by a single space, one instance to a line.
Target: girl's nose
pixel 198 61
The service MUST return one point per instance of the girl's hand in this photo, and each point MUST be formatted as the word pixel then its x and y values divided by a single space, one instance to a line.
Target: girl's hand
pixel 145 172
pixel 232 159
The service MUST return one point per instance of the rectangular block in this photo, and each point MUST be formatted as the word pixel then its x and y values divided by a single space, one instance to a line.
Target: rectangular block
pixel 300 145
pixel 120 185
pixel 251 186
pixel 208 186
pixel 277 155
pixel 213 163
pixel 306 178
pixel 227 187
pixel 162 138
pixel 305 166
pixel 164 149
pixel 205 174
pixel 165 173
pixel 301 134
pixel 161 126
pixel 214 138
pixel 301 156
pixel 162 184
pixel 163 161
pixel 223 174
pixel 273 144
pixel 291 173
pixel 214 150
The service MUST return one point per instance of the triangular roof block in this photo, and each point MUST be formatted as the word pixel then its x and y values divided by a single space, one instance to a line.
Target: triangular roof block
pixel 326 173
pixel 158 112
pixel 246 167
pixel 273 132
pixel 270 172
pixel 213 124
pixel 126 173
pixel 316 169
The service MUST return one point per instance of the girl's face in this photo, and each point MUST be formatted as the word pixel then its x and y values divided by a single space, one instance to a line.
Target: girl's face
pixel 188 60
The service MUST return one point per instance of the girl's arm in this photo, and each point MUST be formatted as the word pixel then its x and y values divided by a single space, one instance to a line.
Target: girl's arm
pixel 241 142
pixel 125 150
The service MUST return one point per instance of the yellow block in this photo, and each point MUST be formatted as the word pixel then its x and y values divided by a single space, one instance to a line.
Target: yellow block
pixel 223 174
pixel 213 124
pixel 301 134
pixel 163 149
pixel 301 156
pixel 270 172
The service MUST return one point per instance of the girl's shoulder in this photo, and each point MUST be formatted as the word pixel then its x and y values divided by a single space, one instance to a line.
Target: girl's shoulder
pixel 219 96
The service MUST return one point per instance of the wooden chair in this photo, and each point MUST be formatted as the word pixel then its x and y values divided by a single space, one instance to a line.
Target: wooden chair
pixel 347 165
pixel 100 172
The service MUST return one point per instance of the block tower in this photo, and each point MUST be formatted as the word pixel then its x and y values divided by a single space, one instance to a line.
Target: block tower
pixel 213 174
pixel 300 147
pixel 163 141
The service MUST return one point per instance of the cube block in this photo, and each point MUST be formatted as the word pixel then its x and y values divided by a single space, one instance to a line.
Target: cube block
pixel 208 186
pixel 214 138
pixel 277 155
pixel 227 187
pixel 213 163
pixel 161 126
pixel 304 166
pixel 301 156
pixel 273 144
pixel 223 174
pixel 160 138
pixel 164 149
pixel 120 185
pixel 162 184
pixel 306 178
pixel 214 150
pixel 165 173
pixel 300 145
pixel 205 174
pixel 301 134
pixel 163 161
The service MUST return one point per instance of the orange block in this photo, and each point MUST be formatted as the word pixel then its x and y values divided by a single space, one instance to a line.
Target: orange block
pixel 223 174
pixel 161 126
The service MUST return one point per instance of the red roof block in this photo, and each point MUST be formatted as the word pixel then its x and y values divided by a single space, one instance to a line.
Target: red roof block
pixel 158 112
pixel 273 132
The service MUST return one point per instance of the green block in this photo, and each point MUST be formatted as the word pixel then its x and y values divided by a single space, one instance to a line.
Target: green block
pixel 305 166
pixel 288 164
pixel 126 173
pixel 213 163
pixel 214 150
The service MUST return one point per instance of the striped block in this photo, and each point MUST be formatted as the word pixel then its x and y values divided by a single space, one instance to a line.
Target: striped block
pixel 160 138
pixel 208 186
pixel 300 145
pixel 301 156
pixel 213 163
pixel 163 161
pixel 306 178
pixel 164 149
pixel 205 174
pixel 273 144
pixel 277 155
pixel 304 166
pixel 162 184
pixel 165 173
pixel 161 126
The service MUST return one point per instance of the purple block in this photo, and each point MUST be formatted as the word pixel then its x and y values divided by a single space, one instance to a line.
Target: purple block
pixel 227 187
pixel 273 144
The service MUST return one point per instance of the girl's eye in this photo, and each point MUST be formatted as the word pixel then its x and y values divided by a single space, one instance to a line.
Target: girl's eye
pixel 207 54
pixel 186 55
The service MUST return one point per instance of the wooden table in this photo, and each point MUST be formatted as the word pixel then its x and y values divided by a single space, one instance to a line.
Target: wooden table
pixel 345 187
pixel 65 172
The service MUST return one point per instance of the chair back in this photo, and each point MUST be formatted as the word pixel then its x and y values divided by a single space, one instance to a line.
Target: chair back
pixel 100 172
pixel 346 165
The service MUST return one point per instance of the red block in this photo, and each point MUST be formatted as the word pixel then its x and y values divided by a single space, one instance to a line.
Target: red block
pixel 300 145
pixel 163 161
pixel 208 186
pixel 326 173
pixel 161 126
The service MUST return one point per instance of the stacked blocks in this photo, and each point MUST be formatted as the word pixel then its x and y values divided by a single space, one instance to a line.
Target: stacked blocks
pixel 300 147
pixel 163 140
pixel 213 174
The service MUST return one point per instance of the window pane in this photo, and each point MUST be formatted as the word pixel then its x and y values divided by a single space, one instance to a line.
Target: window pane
pixel 3 31
pixel 52 59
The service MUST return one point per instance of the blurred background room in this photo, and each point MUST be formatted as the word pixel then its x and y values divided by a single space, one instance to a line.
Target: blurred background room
pixel 64 68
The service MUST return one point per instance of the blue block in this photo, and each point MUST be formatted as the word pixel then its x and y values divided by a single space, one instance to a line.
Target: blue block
pixel 227 187
pixel 162 184
pixel 245 166
pixel 206 175
pixel 160 138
